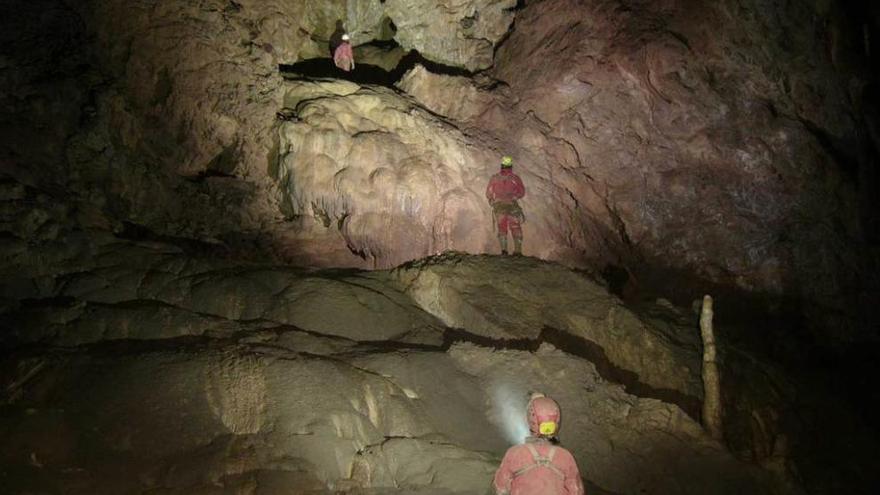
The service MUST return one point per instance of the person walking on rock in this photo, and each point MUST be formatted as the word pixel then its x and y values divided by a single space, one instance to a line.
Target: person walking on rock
pixel 539 466
pixel 504 191
pixel 343 56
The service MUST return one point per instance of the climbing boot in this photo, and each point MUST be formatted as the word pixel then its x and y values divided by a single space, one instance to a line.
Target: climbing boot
pixel 517 247
pixel 503 242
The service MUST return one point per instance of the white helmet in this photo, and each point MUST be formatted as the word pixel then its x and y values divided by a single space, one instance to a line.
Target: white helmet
pixel 345 37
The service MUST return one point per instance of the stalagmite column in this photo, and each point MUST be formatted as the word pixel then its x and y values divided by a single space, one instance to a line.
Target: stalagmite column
pixel 711 381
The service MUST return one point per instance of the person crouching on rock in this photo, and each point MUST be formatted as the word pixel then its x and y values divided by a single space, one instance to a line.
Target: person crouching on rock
pixel 539 466
pixel 343 56
pixel 504 190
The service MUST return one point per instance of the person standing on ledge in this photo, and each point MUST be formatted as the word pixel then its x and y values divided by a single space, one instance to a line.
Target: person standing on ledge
pixel 539 466
pixel 504 191
pixel 343 56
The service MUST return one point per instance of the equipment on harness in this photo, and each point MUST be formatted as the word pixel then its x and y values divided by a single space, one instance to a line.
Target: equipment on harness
pixel 508 208
pixel 540 462
pixel 511 208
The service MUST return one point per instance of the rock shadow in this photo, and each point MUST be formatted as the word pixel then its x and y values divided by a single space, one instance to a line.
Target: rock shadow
pixel 589 351
pixel 366 73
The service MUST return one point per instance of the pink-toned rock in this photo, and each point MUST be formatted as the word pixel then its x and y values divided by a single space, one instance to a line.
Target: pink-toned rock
pixel 690 152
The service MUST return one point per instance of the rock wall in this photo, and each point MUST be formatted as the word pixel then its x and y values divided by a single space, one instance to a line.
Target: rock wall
pixel 136 367
pixel 722 139
pixel 679 137
pixel 149 149
pixel 676 138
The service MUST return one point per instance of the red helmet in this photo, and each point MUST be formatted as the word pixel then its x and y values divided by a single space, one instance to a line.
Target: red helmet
pixel 543 415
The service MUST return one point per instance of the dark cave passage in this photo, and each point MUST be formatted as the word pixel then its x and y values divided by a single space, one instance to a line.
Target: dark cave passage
pixel 365 72
pixel 323 68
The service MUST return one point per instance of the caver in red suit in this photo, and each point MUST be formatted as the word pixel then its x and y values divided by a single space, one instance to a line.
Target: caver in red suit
pixel 343 57
pixel 539 467
pixel 504 191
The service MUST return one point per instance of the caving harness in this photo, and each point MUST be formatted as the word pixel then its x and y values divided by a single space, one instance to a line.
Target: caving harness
pixel 540 461
pixel 511 208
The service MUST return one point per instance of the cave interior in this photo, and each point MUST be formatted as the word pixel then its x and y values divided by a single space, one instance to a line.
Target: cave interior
pixel 230 266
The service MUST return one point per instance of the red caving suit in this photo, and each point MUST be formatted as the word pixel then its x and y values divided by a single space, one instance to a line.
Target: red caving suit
pixel 343 57
pixel 504 189
pixel 538 467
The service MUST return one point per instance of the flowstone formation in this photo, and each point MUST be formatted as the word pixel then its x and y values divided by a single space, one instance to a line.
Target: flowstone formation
pixel 386 173
pixel 189 192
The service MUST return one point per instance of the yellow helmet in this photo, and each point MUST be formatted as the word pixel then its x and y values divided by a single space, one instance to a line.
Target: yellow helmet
pixel 543 415
pixel 506 161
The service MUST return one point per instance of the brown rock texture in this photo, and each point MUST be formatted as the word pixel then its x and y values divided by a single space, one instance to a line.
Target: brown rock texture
pixel 184 211
pixel 387 175
pixel 454 97
pixel 688 136
pixel 452 32
pixel 142 368
pixel 662 138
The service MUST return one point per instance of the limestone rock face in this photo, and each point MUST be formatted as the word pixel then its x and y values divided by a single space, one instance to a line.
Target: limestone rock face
pixel 693 139
pixel 196 372
pixel 457 33
pixel 181 99
pixel 390 180
pixel 452 32
pixel 644 141
pixel 460 298
pixel 179 223
pixel 388 58
pixel 264 416
pixel 451 96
